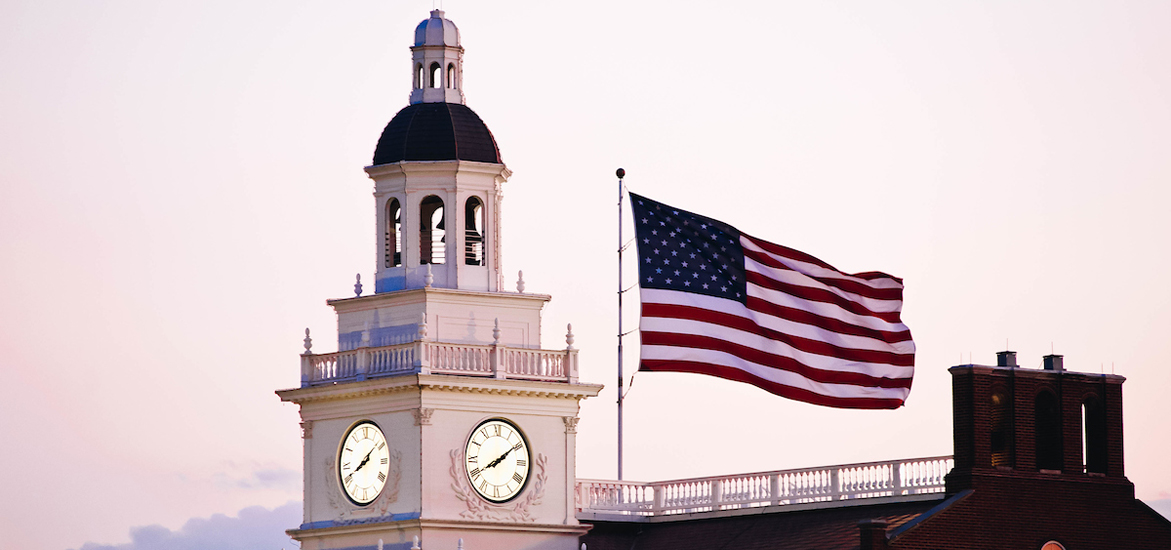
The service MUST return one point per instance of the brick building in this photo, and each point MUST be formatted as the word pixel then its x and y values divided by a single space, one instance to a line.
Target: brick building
pixel 1038 464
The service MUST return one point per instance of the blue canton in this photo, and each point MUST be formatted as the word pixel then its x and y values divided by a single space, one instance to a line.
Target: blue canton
pixel 678 250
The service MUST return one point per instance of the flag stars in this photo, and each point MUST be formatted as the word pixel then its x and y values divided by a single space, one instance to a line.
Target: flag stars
pixel 668 280
pixel 674 253
pixel 704 285
pixel 656 251
pixel 644 221
pixel 654 232
pixel 664 243
pixel 685 263
pixel 658 270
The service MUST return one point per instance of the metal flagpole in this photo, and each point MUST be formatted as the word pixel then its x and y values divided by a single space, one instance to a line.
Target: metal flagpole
pixel 620 173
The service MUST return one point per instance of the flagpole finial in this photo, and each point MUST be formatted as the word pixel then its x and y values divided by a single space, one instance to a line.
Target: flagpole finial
pixel 620 173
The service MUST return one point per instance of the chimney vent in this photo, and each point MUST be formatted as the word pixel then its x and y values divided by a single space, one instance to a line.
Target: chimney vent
pixel 1006 358
pixel 1054 363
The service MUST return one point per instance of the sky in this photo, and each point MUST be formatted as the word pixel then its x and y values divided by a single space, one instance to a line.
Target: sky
pixel 181 189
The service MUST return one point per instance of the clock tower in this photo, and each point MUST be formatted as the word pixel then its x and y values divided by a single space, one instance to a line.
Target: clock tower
pixel 440 417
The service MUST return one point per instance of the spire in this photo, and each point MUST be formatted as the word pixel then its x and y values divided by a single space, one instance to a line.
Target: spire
pixel 437 62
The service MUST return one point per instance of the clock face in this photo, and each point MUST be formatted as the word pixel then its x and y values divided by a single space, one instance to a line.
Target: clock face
pixel 363 463
pixel 497 460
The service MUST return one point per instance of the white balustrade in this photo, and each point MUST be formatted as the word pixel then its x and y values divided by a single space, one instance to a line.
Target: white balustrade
pixel 781 487
pixel 439 358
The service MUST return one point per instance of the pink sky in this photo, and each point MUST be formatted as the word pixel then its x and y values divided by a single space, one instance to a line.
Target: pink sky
pixel 182 188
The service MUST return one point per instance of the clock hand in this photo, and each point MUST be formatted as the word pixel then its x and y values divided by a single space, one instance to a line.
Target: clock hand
pixel 364 461
pixel 499 458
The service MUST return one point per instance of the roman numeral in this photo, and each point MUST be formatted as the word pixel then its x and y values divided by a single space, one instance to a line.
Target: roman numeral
pixel 474 459
pixel 381 445
pixel 497 426
pixel 495 491
pixel 483 485
pixel 385 460
pixel 517 477
pixel 365 433
pixel 522 462
pixel 349 479
pixel 346 466
pixel 474 473
pixel 516 447
pixel 381 476
pixel 484 432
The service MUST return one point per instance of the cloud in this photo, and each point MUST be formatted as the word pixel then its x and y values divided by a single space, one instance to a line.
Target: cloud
pixel 254 528
pixel 1162 506
pixel 255 476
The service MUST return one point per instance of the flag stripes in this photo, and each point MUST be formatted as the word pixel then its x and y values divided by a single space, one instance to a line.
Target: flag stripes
pixel 768 315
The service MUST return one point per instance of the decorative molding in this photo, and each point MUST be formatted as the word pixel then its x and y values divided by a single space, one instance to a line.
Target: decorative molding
pixel 570 424
pixel 436 382
pixel 307 429
pixel 422 416
pixel 393 480
pixel 332 491
pixel 478 508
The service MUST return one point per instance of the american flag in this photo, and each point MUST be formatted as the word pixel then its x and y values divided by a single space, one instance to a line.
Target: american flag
pixel 716 301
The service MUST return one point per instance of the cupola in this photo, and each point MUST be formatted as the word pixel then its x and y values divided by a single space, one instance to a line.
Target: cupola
pixel 437 61
pixel 438 175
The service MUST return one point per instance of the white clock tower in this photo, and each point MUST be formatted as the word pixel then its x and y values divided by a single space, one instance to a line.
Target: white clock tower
pixel 440 417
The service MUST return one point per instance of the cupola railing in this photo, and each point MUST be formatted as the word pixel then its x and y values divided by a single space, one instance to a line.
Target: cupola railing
pixel 428 357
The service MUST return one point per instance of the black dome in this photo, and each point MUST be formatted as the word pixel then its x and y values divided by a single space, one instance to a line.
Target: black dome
pixel 436 131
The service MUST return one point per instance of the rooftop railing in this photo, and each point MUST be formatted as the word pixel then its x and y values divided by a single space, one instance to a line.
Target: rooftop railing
pixel 776 488
pixel 426 357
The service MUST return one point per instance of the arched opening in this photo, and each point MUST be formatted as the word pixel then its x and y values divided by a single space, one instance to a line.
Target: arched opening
pixel 418 76
pixel 1048 423
pixel 474 232
pixel 431 232
pixel 1094 435
pixel 436 75
pixel 1001 432
pixel 451 75
pixel 394 245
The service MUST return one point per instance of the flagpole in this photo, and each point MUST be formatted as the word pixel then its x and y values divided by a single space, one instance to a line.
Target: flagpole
pixel 620 173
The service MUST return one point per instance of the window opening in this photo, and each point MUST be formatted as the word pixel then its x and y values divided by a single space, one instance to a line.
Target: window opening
pixel 436 75
pixel 432 237
pixel 474 232
pixel 1048 415
pixel 1094 435
pixel 418 76
pixel 394 247
pixel 1001 435
pixel 451 75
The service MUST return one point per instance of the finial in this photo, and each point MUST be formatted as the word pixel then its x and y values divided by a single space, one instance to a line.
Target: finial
pixel 620 173
pixel 379 544
pixel 520 281
pixel 366 334
pixel 496 332
pixel 358 285
pixel 569 336
pixel 308 343
pixel 415 546
pixel 459 544
pixel 429 278
pixel 583 546
pixel 423 327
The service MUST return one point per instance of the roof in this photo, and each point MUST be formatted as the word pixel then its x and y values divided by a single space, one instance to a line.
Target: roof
pixel 825 529
pixel 436 131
